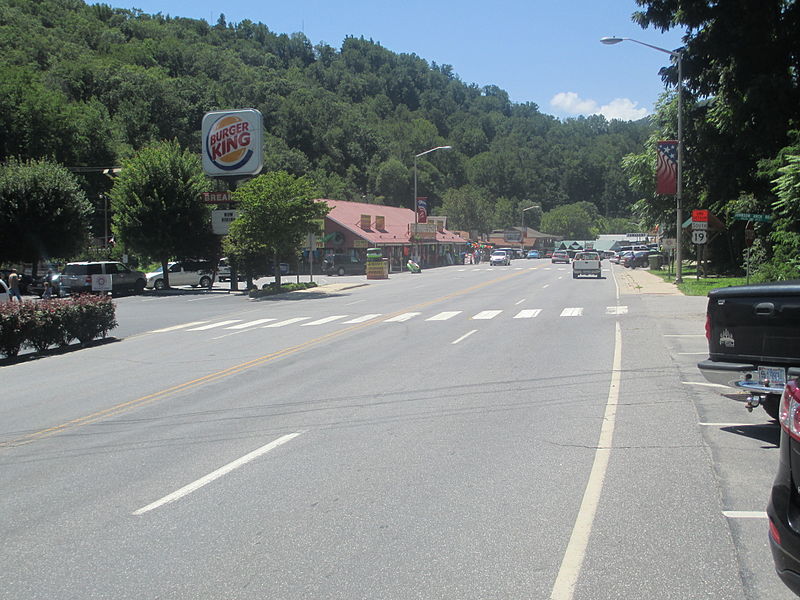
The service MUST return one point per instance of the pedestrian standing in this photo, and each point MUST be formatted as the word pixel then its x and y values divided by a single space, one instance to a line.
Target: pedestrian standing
pixel 48 291
pixel 13 285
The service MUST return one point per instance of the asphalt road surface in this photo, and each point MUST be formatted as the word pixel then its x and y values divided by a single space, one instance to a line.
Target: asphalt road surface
pixel 468 432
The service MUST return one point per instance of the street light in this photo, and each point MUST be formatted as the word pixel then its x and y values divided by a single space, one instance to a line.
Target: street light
pixel 678 196
pixel 522 240
pixel 416 156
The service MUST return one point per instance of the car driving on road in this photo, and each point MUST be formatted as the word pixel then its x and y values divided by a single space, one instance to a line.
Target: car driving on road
pixel 560 256
pixel 499 257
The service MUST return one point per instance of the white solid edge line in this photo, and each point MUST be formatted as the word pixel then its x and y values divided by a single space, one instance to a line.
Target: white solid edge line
pixel 568 572
pixel 196 485
pixel 745 514
pixel 463 337
pixel 707 384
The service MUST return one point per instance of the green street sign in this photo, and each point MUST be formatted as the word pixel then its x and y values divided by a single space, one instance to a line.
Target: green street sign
pixel 752 217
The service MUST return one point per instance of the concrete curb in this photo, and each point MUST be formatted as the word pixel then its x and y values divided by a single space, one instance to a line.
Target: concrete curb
pixel 641 281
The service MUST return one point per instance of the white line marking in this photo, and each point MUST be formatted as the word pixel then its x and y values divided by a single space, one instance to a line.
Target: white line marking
pixel 402 318
pixel 692 353
pixel 572 312
pixel 564 586
pixel 324 320
pixel 487 314
pixel 529 313
pixel 463 337
pixel 520 302
pixel 546 285
pixel 363 318
pixel 616 310
pixel 704 384
pixel 354 302
pixel 176 327
pixel 443 316
pixel 196 485
pixel 287 322
pixel 745 514
pixel 214 325
pixel 250 324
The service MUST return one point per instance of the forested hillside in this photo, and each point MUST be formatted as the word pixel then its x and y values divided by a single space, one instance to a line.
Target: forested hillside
pixel 87 85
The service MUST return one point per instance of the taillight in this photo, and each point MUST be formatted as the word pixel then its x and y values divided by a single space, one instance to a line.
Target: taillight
pixel 773 531
pixel 789 413
pixel 708 327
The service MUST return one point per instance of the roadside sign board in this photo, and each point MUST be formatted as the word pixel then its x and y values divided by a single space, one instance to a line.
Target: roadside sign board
pixel 753 217
pixel 101 283
pixel 700 216
pixel 699 225
pixel 699 236
pixel 216 197
pixel 232 143
pixel 221 220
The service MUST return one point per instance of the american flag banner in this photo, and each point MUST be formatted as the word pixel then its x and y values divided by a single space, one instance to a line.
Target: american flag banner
pixel 422 209
pixel 667 168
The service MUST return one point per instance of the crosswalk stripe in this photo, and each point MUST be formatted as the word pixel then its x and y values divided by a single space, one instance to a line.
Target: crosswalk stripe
pixel 250 324
pixel 443 316
pixel 214 325
pixel 403 317
pixel 487 314
pixel 287 322
pixel 572 312
pixel 324 320
pixel 616 310
pixel 176 327
pixel 362 318
pixel 528 313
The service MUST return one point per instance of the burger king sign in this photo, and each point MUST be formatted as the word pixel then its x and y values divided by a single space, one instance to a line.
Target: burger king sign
pixel 232 143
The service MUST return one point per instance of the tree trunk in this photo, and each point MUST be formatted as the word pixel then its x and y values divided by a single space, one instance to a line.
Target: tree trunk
pixel 276 268
pixel 165 272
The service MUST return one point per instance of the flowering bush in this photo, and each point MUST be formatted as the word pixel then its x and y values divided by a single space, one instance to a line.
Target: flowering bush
pixel 58 321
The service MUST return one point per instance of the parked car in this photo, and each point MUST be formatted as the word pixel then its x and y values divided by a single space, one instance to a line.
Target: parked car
pixel 499 257
pixel 25 280
pixel 548 253
pixel 342 264
pixel 560 256
pixel 784 501
pixel 5 294
pixel 77 277
pixel 224 270
pixel 188 272
pixel 533 254
pixel 37 287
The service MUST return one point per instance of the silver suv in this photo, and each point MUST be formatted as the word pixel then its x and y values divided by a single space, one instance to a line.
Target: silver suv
pixel 186 272
pixel 111 276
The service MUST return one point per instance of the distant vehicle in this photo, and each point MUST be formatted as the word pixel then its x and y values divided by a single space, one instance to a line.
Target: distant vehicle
pixel 37 287
pixel 499 257
pixel 560 256
pixel 511 252
pixel 586 263
pixel 77 277
pixel 533 254
pixel 189 272
pixel 224 270
pixel 548 253
pixel 342 264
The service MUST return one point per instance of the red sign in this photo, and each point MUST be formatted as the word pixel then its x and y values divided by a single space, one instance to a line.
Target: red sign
pixel 700 216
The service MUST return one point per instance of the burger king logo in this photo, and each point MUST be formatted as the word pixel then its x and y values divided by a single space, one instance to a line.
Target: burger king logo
pixel 231 140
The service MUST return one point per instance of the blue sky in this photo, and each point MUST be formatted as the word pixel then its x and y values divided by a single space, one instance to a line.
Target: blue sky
pixel 547 52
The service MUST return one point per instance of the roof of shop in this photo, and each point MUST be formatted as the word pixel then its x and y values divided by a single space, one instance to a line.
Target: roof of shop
pixel 396 221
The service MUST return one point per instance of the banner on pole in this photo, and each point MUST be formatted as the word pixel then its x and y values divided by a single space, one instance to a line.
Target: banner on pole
pixel 667 168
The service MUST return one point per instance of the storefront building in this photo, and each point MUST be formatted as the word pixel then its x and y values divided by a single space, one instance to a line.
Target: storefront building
pixel 352 227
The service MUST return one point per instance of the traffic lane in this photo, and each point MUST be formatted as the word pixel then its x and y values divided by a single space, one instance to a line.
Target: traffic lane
pixel 485 420
pixel 659 522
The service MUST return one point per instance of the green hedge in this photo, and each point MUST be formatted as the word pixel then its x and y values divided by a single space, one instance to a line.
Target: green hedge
pixel 270 289
pixel 55 322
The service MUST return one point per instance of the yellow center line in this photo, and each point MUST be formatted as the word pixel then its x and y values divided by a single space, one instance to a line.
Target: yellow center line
pixel 227 372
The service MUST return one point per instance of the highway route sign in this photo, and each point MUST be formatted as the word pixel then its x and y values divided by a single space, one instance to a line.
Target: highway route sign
pixel 699 236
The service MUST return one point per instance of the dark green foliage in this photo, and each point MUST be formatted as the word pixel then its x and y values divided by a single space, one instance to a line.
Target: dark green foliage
pixel 90 85
pixel 270 289
pixel 88 317
pixel 43 211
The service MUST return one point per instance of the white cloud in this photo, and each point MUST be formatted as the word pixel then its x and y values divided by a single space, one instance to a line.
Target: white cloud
pixel 619 108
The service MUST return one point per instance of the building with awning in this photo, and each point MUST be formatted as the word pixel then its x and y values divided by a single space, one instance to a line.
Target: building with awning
pixel 523 238
pixel 352 227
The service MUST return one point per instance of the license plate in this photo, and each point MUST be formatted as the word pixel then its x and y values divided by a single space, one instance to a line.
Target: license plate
pixel 775 375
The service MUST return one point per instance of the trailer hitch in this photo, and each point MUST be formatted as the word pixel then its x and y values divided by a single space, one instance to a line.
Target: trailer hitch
pixel 753 401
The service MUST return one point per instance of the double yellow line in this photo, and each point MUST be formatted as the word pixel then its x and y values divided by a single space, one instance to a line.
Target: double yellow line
pixel 224 373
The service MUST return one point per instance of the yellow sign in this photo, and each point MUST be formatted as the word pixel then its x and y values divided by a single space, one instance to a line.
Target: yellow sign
pixel 359 243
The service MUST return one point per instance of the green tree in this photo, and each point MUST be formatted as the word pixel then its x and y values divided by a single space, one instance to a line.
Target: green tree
pixel 277 210
pixel 43 212
pixel 573 221
pixel 467 208
pixel 156 204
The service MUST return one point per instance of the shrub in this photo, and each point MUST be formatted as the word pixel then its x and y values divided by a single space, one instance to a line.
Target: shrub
pixel 270 289
pixel 89 316
pixel 46 326
pixel 14 324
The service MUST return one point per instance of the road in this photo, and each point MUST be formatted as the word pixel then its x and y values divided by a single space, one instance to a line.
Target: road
pixel 475 432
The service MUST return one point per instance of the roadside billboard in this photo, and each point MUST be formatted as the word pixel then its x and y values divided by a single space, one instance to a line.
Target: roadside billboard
pixel 232 143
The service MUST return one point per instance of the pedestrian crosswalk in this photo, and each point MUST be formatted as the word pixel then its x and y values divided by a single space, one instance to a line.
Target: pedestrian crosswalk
pixel 483 315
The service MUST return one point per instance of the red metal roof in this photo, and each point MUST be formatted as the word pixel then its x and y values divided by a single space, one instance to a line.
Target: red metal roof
pixel 396 222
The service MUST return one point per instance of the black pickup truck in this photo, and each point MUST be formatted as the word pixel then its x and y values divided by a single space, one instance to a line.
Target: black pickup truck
pixel 753 336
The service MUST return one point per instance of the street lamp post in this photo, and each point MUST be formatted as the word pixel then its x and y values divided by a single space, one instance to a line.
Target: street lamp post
pixel 522 241
pixel 416 156
pixel 679 191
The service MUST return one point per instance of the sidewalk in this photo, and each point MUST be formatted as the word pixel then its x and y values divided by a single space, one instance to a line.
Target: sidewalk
pixel 641 281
